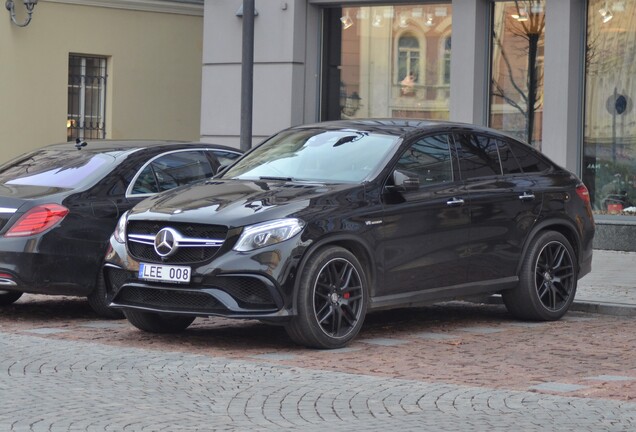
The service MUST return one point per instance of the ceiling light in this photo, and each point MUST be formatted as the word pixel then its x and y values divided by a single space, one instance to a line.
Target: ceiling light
pixel 606 14
pixel 346 21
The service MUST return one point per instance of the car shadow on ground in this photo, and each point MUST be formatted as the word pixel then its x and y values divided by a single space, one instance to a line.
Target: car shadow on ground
pixel 78 320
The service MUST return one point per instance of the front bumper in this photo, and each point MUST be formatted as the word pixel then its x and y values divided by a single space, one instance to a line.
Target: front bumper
pixel 255 284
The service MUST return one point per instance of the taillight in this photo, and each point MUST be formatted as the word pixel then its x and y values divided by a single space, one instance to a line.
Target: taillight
pixel 37 220
pixel 583 193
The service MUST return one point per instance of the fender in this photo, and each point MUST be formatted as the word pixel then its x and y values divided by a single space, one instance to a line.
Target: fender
pixel 334 239
pixel 546 224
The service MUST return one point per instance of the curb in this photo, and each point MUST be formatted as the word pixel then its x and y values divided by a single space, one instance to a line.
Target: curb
pixel 617 309
pixel 589 306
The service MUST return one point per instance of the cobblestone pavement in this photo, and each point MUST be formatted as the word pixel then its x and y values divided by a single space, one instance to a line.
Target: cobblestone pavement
pixel 456 366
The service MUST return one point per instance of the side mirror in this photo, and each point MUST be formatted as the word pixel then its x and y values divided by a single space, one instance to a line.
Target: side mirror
pixel 405 181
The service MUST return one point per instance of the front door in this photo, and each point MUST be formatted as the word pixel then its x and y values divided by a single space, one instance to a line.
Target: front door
pixel 424 229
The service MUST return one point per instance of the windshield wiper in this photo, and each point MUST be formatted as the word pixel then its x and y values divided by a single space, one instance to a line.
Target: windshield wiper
pixel 276 178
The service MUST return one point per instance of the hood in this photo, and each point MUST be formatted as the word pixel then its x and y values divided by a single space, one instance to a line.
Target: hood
pixel 235 203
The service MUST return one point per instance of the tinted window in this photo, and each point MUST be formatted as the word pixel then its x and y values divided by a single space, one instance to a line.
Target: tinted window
pixel 478 156
pixel 54 168
pixel 172 170
pixel 528 159
pixel 509 163
pixel 430 159
pixel 225 157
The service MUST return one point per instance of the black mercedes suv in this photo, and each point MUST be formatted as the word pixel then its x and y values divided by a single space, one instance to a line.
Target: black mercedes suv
pixel 322 223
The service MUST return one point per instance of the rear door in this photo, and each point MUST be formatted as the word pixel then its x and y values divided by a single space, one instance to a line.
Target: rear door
pixel 504 206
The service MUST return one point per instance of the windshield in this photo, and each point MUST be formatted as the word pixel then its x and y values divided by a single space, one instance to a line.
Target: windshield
pixel 56 168
pixel 343 156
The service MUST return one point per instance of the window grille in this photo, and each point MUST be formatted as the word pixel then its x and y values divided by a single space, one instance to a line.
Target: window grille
pixel 86 97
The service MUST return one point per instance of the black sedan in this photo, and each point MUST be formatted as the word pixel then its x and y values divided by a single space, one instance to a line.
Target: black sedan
pixel 60 204
pixel 321 223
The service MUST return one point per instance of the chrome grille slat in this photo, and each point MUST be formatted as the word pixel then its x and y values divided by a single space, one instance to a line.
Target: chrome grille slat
pixel 195 242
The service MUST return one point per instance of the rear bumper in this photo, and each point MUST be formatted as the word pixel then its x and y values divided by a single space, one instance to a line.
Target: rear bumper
pixel 43 273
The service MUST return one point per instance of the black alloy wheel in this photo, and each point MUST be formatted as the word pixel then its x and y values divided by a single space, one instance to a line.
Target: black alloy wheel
pixel 332 300
pixel 548 280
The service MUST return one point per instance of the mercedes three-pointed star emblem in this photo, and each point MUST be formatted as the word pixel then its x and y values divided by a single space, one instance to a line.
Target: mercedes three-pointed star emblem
pixel 166 242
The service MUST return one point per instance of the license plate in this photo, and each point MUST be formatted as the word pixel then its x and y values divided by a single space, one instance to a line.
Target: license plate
pixel 164 273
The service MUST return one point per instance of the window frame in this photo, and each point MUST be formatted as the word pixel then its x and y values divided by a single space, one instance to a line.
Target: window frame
pixel 129 189
pixel 79 131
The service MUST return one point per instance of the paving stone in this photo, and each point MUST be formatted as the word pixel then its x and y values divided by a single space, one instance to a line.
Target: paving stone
pixel 435 336
pixel 557 387
pixel 482 330
pixel 46 331
pixel 612 378
pixel 274 356
pixel 384 341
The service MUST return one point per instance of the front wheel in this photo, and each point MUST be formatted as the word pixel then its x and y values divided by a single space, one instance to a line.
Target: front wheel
pixel 9 297
pixel 153 322
pixel 332 300
pixel 548 278
pixel 99 304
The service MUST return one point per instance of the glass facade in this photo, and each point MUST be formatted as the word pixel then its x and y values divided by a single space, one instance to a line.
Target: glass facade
pixel 609 147
pixel 387 61
pixel 517 47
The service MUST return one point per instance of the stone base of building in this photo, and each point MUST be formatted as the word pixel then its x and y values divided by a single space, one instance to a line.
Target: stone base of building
pixel 615 233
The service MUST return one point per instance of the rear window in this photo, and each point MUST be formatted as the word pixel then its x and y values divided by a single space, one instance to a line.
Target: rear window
pixel 55 168
pixel 530 161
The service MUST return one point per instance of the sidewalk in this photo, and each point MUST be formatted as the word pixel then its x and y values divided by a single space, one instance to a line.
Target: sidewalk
pixel 611 286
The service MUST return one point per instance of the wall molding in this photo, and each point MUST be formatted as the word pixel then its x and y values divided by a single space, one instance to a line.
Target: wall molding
pixel 194 8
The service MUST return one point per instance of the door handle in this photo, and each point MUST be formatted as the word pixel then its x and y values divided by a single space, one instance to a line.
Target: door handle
pixel 455 202
pixel 526 196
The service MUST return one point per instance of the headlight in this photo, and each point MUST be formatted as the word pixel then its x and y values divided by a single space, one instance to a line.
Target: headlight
pixel 120 229
pixel 268 233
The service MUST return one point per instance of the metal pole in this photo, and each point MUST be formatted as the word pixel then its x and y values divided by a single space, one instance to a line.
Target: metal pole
pixel 247 75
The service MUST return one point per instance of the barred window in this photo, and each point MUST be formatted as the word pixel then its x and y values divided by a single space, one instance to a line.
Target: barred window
pixel 86 97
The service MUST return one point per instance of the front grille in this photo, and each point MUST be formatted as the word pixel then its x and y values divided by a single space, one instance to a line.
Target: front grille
pixel 249 292
pixel 184 255
pixel 186 301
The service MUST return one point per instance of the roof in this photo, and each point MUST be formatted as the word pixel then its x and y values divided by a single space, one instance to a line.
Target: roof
pixel 401 127
pixel 391 126
pixel 125 145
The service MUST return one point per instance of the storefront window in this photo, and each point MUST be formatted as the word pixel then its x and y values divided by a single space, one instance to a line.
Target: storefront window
pixel 387 61
pixel 609 159
pixel 516 92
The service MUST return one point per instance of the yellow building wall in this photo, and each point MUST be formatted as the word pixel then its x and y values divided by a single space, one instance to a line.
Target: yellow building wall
pixel 154 73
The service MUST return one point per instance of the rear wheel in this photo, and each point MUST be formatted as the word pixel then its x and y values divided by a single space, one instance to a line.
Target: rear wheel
pixel 153 322
pixel 548 280
pixel 332 300
pixel 97 301
pixel 9 297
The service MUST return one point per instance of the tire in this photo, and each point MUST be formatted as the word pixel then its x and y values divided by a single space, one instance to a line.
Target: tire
pixel 99 304
pixel 9 297
pixel 332 300
pixel 547 281
pixel 153 322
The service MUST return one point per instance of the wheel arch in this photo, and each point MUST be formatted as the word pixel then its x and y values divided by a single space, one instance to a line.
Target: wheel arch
pixel 349 242
pixel 562 226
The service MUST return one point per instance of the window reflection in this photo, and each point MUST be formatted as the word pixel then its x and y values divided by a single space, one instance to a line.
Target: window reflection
pixel 392 61
pixel 516 92
pixel 609 162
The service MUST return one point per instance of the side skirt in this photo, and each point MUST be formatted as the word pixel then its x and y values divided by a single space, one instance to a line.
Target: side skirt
pixel 442 294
